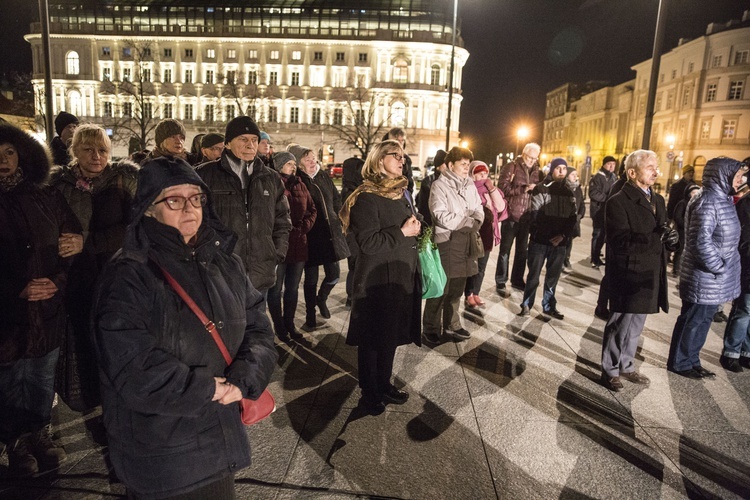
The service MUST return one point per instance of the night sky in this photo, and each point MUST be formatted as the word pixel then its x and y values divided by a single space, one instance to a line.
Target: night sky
pixel 519 50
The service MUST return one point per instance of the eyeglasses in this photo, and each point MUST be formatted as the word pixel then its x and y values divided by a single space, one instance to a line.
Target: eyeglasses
pixel 178 202
pixel 532 158
pixel 397 156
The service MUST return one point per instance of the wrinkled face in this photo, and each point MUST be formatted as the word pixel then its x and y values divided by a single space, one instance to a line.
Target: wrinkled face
pixel 264 147
pixel 214 152
pixel 308 163
pixel 66 135
pixel 480 176
pixel 391 165
pixel 289 167
pixel 92 158
pixel 460 167
pixel 645 175
pixel 560 172
pixel 174 145
pixel 530 157
pixel 8 160
pixel 186 220
pixel 244 146
pixel 610 166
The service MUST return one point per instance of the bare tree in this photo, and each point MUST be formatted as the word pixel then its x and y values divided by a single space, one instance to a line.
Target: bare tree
pixel 356 123
pixel 246 96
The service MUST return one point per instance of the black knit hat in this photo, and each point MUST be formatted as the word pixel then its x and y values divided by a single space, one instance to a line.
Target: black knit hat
pixel 159 174
pixel 439 157
pixel 608 159
pixel 64 119
pixel 241 125
pixel 557 161
pixel 166 129
pixel 211 139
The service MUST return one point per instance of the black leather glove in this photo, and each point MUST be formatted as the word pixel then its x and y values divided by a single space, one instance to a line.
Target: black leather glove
pixel 670 238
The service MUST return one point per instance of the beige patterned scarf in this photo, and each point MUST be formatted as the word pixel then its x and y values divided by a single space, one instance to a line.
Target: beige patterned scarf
pixel 393 189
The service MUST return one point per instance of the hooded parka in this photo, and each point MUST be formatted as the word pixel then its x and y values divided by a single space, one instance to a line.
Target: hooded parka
pixel 326 241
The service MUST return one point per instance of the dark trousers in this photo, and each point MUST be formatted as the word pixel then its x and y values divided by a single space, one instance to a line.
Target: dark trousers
pixel 288 277
pixel 513 231
pixel 538 254
pixel 27 388
pixel 597 242
pixel 332 272
pixel 375 370
pixel 602 300
pixel 223 489
pixel 474 283
pixel 441 313
pixel 689 335
pixel 620 342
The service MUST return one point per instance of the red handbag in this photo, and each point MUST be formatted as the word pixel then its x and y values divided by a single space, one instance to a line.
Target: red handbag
pixel 250 411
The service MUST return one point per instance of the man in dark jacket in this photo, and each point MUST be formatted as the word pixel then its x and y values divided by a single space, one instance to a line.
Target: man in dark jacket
pixel 65 125
pixel 517 179
pixel 554 216
pixel 637 232
pixel 399 135
pixel 599 187
pixel 677 191
pixel 423 196
pixel 249 199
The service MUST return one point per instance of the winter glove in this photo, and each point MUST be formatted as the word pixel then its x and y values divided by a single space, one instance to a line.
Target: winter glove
pixel 488 184
pixel 670 238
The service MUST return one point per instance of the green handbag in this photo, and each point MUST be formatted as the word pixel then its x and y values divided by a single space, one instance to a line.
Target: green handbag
pixel 433 274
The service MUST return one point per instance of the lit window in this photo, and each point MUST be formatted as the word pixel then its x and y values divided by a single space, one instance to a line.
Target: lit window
pixel 400 72
pixel 398 114
pixel 252 54
pixel 435 75
pixel 72 62
pixel 231 53
pixel 106 74
pixel 296 55
pixel 729 129
pixel 705 129
pixel 211 53
pixel 275 54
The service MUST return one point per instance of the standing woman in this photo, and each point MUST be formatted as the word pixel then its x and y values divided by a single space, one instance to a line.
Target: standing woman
pixel 169 399
pixel 289 273
pixel 572 182
pixel 457 214
pixel 387 295
pixel 38 234
pixel 100 194
pixel 325 241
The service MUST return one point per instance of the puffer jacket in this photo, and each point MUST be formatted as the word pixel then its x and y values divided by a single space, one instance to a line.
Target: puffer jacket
pixel 743 213
pixel 710 267
pixel 458 214
pixel 259 215
pixel 514 179
pixel 303 214
pixel 157 362
pixel 326 242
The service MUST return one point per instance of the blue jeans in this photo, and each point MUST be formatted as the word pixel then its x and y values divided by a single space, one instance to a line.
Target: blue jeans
pixel 288 277
pixel 332 272
pixel 736 335
pixel 555 257
pixel 689 335
pixel 27 388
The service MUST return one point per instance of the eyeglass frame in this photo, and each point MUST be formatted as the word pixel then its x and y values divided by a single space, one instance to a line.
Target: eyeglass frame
pixel 398 156
pixel 203 197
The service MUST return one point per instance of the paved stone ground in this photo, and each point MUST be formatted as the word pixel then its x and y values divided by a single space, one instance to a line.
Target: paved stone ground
pixel 514 412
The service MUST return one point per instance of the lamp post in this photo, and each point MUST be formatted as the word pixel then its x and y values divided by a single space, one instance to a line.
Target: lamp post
pixel 521 135
pixel 670 140
pixel 450 79
pixel 661 21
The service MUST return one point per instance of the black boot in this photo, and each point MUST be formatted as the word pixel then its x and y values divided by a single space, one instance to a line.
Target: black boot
pixel 21 460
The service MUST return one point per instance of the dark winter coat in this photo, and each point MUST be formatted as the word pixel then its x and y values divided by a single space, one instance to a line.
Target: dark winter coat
pixel 259 215
pixel 743 214
pixel 710 266
pixel 676 195
pixel 553 212
pixel 158 363
pixel 636 264
pixel 326 242
pixel 60 155
pixel 580 210
pixel 599 187
pixel 303 214
pixel 423 197
pixel 351 176
pixel 513 181
pixel 32 218
pixel 387 297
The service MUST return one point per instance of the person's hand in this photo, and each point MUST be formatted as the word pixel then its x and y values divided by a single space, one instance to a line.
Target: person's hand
pixel 488 184
pixel 69 244
pixel 670 238
pixel 38 289
pixel 530 187
pixel 411 227
pixel 556 240
pixel 232 395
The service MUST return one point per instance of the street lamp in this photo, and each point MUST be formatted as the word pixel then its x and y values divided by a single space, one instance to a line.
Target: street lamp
pixel 465 144
pixel 450 79
pixel 670 139
pixel 521 135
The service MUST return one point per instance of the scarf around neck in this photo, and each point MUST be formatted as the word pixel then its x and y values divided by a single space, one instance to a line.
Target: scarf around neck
pixel 13 180
pixel 393 189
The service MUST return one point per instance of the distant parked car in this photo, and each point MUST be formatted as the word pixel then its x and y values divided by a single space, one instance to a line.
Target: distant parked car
pixel 417 173
pixel 335 170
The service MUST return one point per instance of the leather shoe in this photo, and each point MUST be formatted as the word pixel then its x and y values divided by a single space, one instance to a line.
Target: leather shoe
pixel 691 373
pixel 731 364
pixel 372 406
pixel 703 372
pixel 432 338
pixel 635 378
pixel 470 302
pixel 745 362
pixel 395 396
pixel 502 291
pixel 601 313
pixel 323 308
pixel 294 333
pixel 555 314
pixel 458 334
pixel 478 300
pixel 524 311
pixel 612 383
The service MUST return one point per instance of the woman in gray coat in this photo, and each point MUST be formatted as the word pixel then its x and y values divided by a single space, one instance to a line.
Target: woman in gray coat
pixel 710 269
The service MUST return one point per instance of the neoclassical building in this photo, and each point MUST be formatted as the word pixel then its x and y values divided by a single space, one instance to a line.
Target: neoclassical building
pixel 301 68
pixel 702 107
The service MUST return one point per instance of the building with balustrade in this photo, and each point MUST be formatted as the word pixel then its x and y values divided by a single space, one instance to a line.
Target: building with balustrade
pixel 304 69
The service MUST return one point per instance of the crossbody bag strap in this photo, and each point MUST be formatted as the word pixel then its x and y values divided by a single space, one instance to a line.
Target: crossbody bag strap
pixel 207 323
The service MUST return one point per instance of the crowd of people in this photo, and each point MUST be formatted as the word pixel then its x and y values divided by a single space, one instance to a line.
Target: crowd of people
pixel 125 260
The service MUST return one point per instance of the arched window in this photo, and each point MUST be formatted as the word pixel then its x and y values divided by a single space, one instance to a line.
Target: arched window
pixel 435 75
pixel 74 98
pixel 400 71
pixel 72 63
pixel 398 114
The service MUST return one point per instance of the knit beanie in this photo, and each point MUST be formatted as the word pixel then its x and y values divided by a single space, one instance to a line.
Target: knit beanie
pixel 477 167
pixel 298 151
pixel 687 168
pixel 211 139
pixel 159 174
pixel 439 157
pixel 608 159
pixel 557 161
pixel 264 136
pixel 166 129
pixel 282 158
pixel 64 119
pixel 241 125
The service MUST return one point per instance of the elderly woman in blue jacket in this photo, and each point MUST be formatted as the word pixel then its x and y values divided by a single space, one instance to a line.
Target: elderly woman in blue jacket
pixel 710 268
pixel 169 398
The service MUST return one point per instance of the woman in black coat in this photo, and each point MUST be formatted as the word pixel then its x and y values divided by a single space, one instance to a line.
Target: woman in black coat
pixel 387 296
pixel 38 232
pixel 169 399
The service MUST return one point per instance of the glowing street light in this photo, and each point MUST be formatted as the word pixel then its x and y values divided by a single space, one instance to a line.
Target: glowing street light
pixel 521 135
pixel 465 144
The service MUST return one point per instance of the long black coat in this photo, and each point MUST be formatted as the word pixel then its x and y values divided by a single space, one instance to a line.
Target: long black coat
pixel 387 297
pixel 636 260
pixel 326 242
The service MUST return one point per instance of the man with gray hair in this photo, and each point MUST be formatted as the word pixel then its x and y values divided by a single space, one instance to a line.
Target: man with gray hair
pixel 516 180
pixel 636 234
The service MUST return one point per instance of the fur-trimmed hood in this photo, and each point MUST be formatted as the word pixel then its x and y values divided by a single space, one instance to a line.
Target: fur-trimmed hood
pixel 125 168
pixel 33 157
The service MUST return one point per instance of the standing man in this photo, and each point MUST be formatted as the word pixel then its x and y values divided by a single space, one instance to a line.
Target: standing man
pixel 212 145
pixel 65 125
pixel 677 191
pixel 249 199
pixel 397 134
pixel 423 196
pixel 554 216
pixel 517 180
pixel 636 267
pixel 599 187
